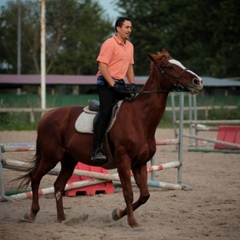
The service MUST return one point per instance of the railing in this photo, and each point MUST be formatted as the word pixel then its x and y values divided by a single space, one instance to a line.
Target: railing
pixel 32 111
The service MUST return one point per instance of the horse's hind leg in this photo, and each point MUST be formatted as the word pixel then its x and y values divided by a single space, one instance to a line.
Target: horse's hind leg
pixel 36 176
pixel 68 165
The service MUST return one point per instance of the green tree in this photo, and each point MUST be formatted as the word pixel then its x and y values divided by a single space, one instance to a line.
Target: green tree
pixel 75 30
pixel 203 34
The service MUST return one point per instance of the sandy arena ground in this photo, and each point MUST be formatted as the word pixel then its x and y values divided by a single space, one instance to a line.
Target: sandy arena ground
pixel 210 211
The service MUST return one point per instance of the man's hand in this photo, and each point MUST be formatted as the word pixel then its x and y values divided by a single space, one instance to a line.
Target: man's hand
pixel 118 87
pixel 133 88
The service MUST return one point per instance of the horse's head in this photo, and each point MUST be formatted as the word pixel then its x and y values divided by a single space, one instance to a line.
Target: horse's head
pixel 177 76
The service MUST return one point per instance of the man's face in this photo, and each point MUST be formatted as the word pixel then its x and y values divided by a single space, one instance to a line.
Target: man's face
pixel 125 30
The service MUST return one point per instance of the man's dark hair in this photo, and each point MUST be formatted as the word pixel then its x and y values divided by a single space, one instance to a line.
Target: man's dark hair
pixel 120 21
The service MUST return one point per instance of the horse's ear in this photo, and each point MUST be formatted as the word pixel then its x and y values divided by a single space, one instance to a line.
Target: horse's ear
pixel 164 51
pixel 150 56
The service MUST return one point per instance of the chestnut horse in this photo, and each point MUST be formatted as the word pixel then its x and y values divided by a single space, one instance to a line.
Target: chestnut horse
pixel 131 139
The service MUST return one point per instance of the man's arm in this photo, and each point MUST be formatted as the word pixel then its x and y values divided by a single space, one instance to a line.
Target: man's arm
pixel 104 71
pixel 130 74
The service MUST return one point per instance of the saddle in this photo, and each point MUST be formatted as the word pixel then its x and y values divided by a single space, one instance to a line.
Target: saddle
pixel 85 121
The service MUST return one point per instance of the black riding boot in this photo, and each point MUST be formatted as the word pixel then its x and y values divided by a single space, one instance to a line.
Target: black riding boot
pixel 99 132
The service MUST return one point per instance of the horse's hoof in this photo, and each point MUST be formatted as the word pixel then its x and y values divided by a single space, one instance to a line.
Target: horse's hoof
pixel 61 219
pixel 115 215
pixel 26 218
pixel 138 229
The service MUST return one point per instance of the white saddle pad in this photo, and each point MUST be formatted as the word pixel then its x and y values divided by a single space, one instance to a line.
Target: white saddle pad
pixel 84 122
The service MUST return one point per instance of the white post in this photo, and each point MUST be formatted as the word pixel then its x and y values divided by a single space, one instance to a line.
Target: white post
pixel 19 33
pixel 180 136
pixel 2 188
pixel 43 55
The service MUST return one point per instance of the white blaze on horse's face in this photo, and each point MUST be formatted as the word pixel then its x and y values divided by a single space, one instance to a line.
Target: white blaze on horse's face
pixel 197 81
pixel 173 61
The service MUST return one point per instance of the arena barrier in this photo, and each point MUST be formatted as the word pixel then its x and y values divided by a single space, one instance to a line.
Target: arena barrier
pixel 230 144
pixel 227 139
pixel 97 177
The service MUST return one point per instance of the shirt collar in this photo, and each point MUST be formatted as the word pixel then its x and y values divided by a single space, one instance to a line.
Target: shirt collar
pixel 118 41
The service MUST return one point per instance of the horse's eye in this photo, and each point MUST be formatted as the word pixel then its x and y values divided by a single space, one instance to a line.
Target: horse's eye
pixel 170 67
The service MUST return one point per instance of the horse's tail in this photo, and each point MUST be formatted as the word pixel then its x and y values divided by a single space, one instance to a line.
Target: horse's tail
pixel 26 178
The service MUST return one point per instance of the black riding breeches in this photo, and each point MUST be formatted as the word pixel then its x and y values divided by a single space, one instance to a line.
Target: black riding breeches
pixel 107 97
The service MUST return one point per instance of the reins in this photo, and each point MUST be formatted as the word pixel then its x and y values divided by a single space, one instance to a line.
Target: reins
pixel 159 91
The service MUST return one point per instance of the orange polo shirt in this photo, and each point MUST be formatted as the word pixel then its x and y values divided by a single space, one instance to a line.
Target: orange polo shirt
pixel 117 56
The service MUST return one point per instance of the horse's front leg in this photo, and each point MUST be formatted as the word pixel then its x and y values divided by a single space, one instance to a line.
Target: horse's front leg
pixel 140 175
pixel 125 178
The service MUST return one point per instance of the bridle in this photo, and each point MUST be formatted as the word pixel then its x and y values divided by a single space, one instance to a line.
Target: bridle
pixel 174 80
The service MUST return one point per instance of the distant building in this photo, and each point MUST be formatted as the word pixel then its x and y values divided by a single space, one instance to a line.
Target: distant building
pixel 77 84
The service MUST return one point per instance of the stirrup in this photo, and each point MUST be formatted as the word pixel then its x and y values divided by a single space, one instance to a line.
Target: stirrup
pixel 99 156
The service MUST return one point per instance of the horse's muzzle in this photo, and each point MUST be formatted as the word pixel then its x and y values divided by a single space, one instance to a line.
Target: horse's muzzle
pixel 197 84
pixel 197 81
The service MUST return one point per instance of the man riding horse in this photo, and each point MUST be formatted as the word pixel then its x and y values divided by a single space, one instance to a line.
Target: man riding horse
pixel 115 63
